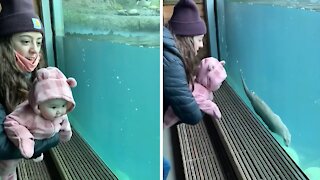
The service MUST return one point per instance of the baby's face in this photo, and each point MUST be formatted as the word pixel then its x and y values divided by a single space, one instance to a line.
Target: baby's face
pixel 54 108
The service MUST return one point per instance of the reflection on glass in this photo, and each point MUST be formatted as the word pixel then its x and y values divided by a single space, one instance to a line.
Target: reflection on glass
pixel 123 21
pixel 301 4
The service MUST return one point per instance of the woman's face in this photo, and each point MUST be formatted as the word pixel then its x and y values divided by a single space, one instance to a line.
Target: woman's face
pixel 28 44
pixel 197 43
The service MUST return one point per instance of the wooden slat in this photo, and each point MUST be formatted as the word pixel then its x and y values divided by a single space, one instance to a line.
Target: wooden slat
pixel 29 170
pixel 251 149
pixel 251 143
pixel 200 159
pixel 76 160
pixel 254 152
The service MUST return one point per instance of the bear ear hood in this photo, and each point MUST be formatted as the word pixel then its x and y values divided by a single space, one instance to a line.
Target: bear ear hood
pixel 72 82
pixel 51 83
pixel 211 73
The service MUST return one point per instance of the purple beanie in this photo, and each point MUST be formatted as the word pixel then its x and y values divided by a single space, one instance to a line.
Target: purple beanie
pixel 186 20
pixel 18 16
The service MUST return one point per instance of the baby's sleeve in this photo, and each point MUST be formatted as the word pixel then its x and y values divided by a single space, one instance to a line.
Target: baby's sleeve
pixel 19 135
pixel 65 131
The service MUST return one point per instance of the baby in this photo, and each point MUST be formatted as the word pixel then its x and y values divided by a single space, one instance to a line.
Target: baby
pixel 209 78
pixel 43 115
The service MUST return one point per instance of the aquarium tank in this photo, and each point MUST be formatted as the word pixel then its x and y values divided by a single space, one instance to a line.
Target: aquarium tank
pixel 275 45
pixel 111 47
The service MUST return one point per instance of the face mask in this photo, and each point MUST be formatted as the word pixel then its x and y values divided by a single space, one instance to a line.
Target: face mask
pixel 25 64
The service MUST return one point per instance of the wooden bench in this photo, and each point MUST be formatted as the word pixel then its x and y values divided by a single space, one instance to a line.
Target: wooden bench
pixel 202 157
pixel 249 146
pixel 73 160
pixel 76 160
pixel 29 170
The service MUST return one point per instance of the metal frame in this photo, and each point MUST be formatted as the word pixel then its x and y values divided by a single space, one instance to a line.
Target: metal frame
pixel 46 18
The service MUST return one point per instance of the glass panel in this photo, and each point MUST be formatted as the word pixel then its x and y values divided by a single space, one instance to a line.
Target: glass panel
pixel 275 44
pixel 112 48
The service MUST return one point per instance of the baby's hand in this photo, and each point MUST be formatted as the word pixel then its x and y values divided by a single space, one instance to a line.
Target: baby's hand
pixel 65 135
pixel 216 112
pixel 26 147
pixel 210 96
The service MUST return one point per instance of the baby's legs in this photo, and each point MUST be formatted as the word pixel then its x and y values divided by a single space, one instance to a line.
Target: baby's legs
pixel 8 169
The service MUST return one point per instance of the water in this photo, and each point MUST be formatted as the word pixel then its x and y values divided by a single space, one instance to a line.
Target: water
pixel 277 48
pixel 117 99
pixel 115 60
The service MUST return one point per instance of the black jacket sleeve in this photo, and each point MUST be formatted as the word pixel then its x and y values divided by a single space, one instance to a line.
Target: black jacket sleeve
pixel 9 151
pixel 176 90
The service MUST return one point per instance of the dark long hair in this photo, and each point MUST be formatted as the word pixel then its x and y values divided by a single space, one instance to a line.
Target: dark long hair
pixel 14 82
pixel 185 45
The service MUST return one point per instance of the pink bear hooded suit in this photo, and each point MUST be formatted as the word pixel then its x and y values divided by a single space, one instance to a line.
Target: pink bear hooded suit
pixel 210 76
pixel 25 123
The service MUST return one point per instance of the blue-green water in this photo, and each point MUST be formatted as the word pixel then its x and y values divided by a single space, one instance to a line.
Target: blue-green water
pixel 117 103
pixel 278 50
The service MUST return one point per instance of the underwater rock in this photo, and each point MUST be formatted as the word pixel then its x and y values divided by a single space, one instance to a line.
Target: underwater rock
pixel 313 173
pixel 122 12
pixel 152 8
pixel 133 12
pixel 144 3
pixel 155 8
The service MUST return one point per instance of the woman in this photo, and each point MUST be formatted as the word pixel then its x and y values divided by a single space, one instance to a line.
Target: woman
pixel 182 39
pixel 21 35
pixel 181 42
